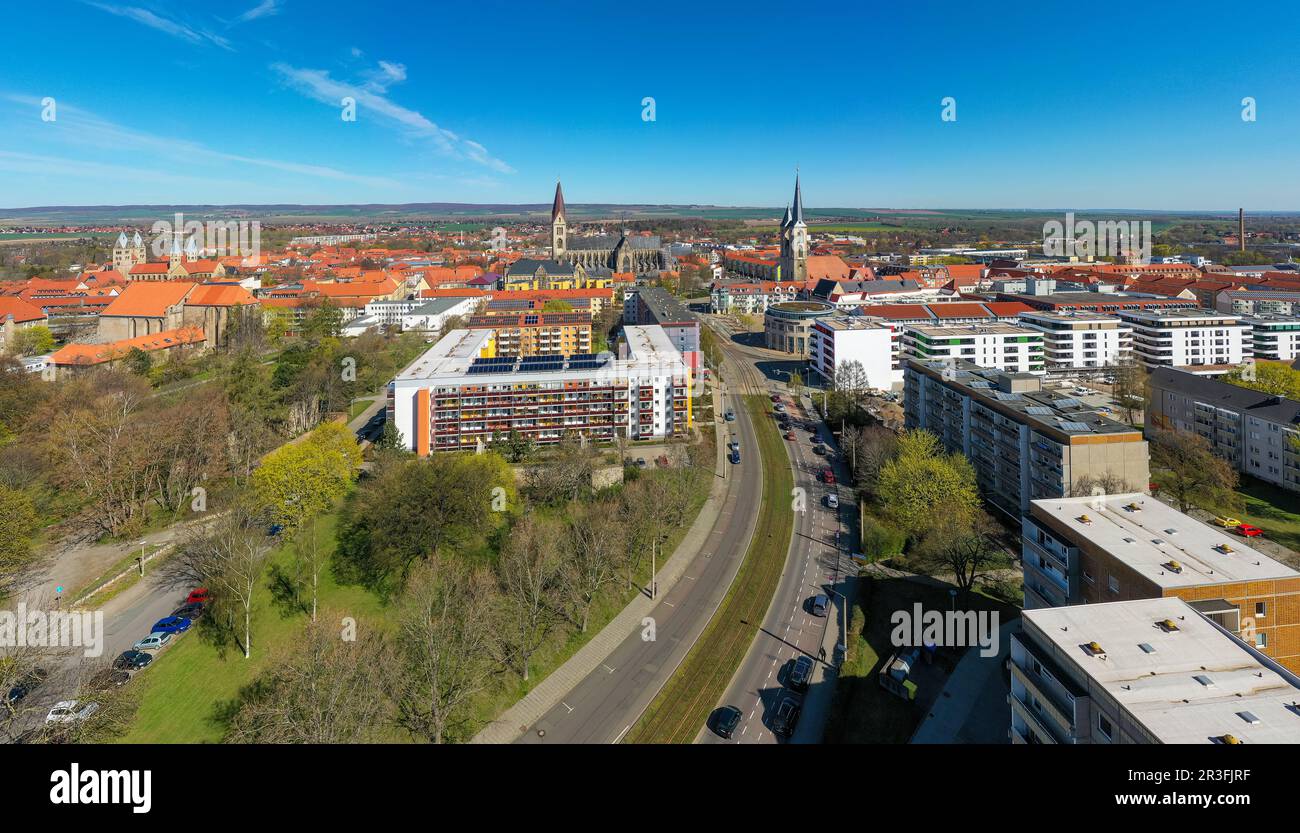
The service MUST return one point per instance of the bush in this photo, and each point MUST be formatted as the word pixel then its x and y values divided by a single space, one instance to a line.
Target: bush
pixel 880 540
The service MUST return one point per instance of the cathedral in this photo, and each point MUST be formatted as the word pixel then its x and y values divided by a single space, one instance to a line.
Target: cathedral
pixel 127 254
pixel 794 240
pixel 616 252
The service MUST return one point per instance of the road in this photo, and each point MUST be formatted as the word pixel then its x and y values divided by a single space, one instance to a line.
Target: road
pixel 818 559
pixel 606 703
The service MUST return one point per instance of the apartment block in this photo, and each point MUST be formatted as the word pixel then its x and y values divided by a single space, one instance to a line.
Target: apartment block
pixel 655 306
pixel 538 333
pixel 462 393
pixel 1274 337
pixel 1259 433
pixel 1024 442
pixel 1205 341
pixel 999 346
pixel 834 340
pixel 1080 340
pixel 1144 672
pixel 1091 550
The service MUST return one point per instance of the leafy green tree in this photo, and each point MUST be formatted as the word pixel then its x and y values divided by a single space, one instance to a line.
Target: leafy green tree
pixel 138 362
pixel 301 480
pixel 18 523
pixel 922 483
pixel 1185 466
pixel 1267 377
pixel 34 341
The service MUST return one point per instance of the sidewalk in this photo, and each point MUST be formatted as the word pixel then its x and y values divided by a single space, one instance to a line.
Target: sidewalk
pixel 972 708
pixel 514 721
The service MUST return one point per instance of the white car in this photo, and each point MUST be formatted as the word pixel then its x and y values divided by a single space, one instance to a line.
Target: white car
pixel 153 641
pixel 833 501
pixel 70 711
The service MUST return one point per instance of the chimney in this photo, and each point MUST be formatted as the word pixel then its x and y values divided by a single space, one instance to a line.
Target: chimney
pixel 1241 229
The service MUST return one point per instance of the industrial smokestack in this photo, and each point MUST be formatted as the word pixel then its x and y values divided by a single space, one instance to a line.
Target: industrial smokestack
pixel 1241 229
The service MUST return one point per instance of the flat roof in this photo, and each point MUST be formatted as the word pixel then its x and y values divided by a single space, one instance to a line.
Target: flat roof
pixel 992 328
pixel 1148 535
pixel 1196 314
pixel 1195 685
pixel 1076 315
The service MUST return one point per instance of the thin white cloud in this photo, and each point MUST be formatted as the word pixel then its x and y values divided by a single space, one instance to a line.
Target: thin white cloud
pixel 162 24
pixel 319 86
pixel 266 8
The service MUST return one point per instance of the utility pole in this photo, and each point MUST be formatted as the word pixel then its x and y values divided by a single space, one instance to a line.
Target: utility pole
pixel 654 585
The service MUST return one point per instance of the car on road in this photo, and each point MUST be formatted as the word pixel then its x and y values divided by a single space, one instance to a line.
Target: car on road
pixel 70 711
pixel 735 458
pixel 1248 531
pixel 828 476
pixel 821 603
pixel 790 435
pixel 726 721
pixel 801 673
pixel 640 462
pixel 1227 523
pixel 776 397
pixel 779 408
pixel 786 717
pixel 193 610
pixel 199 594
pixel 733 445
pixel 132 660
pixel 819 449
pixel 730 416
pixel 153 642
pixel 26 684
pixel 832 501
pixel 171 624
pixel 109 678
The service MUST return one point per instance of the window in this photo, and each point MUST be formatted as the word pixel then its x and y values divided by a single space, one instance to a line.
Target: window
pixel 1261 610
pixel 1261 639
pixel 1104 726
pixel 1114 584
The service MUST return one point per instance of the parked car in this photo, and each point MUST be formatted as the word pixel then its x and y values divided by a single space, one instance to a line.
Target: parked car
pixel 801 673
pixel 819 449
pixel 197 595
pixel 153 642
pixel 1248 531
pixel 726 721
pixel 786 717
pixel 109 678
pixel 70 711
pixel 833 501
pixel 828 476
pixel 171 624
pixel 779 408
pixel 821 603
pixel 730 416
pixel 733 445
pixel 640 462
pixel 790 435
pixel 1227 523
pixel 193 610
pixel 132 660
pixel 735 458
pixel 776 397
pixel 26 684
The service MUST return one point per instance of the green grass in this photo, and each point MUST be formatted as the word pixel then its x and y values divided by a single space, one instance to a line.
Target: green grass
pixel 1274 510
pixel 183 689
pixel 685 702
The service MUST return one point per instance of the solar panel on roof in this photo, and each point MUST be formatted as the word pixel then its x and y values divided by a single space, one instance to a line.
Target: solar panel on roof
pixel 1006 396
pixel 1039 410
pixel 1068 402
pixel 1074 426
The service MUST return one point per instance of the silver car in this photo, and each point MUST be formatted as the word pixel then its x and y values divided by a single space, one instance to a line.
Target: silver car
pixel 153 641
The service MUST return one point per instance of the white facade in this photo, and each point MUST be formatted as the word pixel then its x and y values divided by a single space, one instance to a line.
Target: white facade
pixel 1080 340
pixel 1191 338
pixel 430 316
pixel 872 343
pixel 389 313
pixel 999 346
pixel 1275 337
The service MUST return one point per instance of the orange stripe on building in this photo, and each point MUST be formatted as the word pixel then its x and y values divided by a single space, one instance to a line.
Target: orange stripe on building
pixel 422 424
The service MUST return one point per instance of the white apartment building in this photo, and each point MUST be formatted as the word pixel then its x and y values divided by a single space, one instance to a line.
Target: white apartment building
pixel 873 343
pixel 1275 337
pixel 1080 339
pixel 749 297
pixel 1144 671
pixel 1204 341
pixel 431 315
pixel 998 346
pixel 389 313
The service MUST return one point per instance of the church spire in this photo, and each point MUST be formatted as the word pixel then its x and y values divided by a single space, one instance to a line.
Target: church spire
pixel 557 207
pixel 785 221
pixel 798 201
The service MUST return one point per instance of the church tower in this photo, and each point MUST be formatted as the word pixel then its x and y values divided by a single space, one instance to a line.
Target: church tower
pixel 794 240
pixel 126 255
pixel 559 227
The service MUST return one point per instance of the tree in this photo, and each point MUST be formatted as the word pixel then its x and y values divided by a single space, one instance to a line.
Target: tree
pixel 1187 468
pixel 515 445
pixel 968 549
pixel 445 645
pixel 321 689
pixel 18 523
pixel 33 341
pixel 301 480
pixel 138 362
pixel 529 575
pixel 565 475
pixel 1267 377
pixel 594 544
pixel 323 321
pixel 1130 389
pixel 796 383
pixel 921 481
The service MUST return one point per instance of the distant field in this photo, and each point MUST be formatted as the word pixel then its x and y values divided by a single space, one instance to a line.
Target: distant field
pixel 10 239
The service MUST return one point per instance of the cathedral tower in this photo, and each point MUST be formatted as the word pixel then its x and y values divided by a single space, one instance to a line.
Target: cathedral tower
pixel 794 240
pixel 127 254
pixel 559 228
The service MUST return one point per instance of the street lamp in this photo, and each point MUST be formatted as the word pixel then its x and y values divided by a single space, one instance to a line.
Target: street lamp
pixel 143 544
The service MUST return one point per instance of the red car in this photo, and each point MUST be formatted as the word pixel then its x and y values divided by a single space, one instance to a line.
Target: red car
pixel 789 435
pixel 828 476
pixel 1249 531
pixel 197 595
pixel 776 397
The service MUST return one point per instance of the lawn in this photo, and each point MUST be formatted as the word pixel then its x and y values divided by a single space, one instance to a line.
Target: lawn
pixel 183 690
pixel 1274 510
pixel 683 705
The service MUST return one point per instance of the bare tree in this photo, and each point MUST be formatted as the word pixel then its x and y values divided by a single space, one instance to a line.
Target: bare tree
pixel 446 647
pixel 969 551
pixel 530 579
pixel 593 542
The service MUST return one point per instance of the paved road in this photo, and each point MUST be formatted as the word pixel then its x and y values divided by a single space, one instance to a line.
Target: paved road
pixel 605 705
pixel 818 559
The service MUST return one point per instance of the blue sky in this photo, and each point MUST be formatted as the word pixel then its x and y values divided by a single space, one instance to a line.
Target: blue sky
pixel 1058 105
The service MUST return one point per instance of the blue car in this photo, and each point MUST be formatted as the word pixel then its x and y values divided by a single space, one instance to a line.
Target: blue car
pixel 171 624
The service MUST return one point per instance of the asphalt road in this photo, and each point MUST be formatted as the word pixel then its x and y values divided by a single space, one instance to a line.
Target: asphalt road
pixel 605 705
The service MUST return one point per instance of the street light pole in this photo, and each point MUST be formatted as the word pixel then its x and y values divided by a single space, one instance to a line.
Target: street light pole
pixel 142 546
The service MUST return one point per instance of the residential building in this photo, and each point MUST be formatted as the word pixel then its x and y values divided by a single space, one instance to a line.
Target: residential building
pixel 654 306
pixel 1274 337
pixel 999 346
pixel 1080 340
pixel 462 393
pixel 749 297
pixel 1251 302
pixel 1118 547
pixel 431 315
pixel 836 339
pixel 786 326
pixel 1259 433
pixel 72 358
pixel 1024 442
pixel 1145 671
pixel 538 333
pixel 387 313
pixel 16 315
pixel 1202 340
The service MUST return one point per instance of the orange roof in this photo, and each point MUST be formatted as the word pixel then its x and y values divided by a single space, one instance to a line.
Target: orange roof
pixel 84 354
pixel 958 309
pixel 827 266
pixel 150 298
pixel 19 309
pixel 458 292
pixel 159 268
pixel 199 266
pixel 219 295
